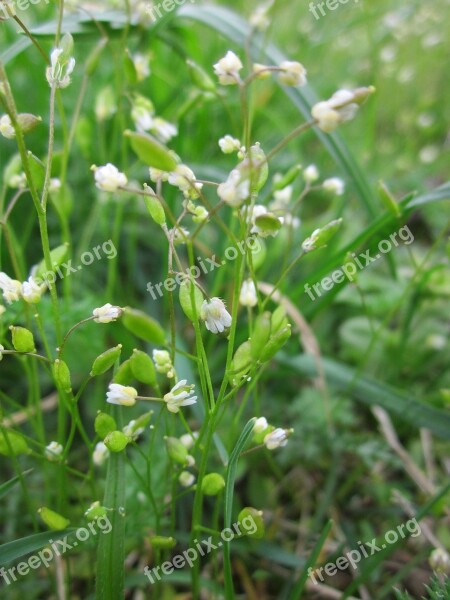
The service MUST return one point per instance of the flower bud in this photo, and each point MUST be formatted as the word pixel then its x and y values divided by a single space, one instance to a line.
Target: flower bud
pixel 52 519
pixel 116 441
pixel 212 484
pixel 440 561
pixel 104 424
pixel 22 339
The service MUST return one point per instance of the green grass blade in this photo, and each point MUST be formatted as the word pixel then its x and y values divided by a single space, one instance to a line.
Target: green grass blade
pixel 8 485
pixel 228 509
pixel 18 548
pixel 372 393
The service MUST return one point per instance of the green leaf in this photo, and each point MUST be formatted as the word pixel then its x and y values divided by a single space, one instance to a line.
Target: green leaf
pixel 18 548
pixel 8 485
pixel 371 392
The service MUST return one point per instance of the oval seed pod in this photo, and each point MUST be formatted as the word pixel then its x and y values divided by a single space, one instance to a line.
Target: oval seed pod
pixel 22 339
pixel 95 511
pixel 151 152
pixel 27 122
pixel 241 363
pixel 176 450
pixel 62 375
pixel 52 519
pixel 12 444
pixel 161 542
pixel 186 301
pixel 279 320
pixel 275 344
pixel 124 374
pixel 212 484
pixel 155 208
pixel 105 361
pixel 287 179
pixel 57 256
pixel 143 326
pixel 104 424
pixel 252 523
pixel 116 441
pixel 260 334
pixel 143 368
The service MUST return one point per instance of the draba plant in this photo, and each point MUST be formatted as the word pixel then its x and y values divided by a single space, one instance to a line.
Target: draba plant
pixel 152 408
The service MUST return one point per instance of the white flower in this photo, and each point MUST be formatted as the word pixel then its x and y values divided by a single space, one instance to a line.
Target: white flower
pixel 190 461
pixel 247 296
pixel 2 348
pixel 18 181
pixel 293 73
pixel 311 174
pixel 158 175
pixel 141 64
pixel 260 425
pixel 215 315
pixel 227 69
pixel 6 127
pixel 188 440
pixel 53 451
pixel 163 364
pixel 55 185
pixel 142 117
pixel 100 454
pixel 121 395
pixel 60 70
pixel 310 242
pixel 108 178
pixel 180 235
pixel 277 438
pixel 234 191
pixel 31 291
pixel 282 197
pixel 229 144
pixel 180 395
pixel 334 185
pixel 259 19
pixel 164 130
pixel 106 313
pixel 130 430
pixel 11 288
pixel 336 110
pixel 258 211
pixel 184 179
pixel 186 479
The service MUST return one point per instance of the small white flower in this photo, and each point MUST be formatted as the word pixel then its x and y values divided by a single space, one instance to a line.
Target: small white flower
pixel 282 197
pixel 188 440
pixel 164 130
pixel 53 451
pixel 277 438
pixel 259 19
pixel 11 288
pixel 180 235
pixel 142 66
pixel 215 315
pixel 227 69
pixel 31 291
pixel 190 461
pixel 334 185
pixel 334 111
pixel 262 71
pixel 6 127
pixel 158 175
pixel 108 178
pixel 311 174
pixel 18 181
pixel 184 179
pixel 121 395
pixel 180 395
pixel 107 313
pixel 142 117
pixel 234 191
pixel 261 425
pixel 247 296
pixel 60 70
pixel 186 479
pixel 2 348
pixel 130 430
pixel 310 242
pixel 292 74
pixel 229 144
pixel 163 363
pixel 55 185
pixel 100 454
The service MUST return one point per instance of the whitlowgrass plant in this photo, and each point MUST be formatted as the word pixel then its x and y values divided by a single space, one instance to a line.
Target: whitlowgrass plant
pixel 159 428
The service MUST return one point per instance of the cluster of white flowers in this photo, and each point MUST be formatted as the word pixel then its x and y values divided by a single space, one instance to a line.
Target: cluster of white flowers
pixel 275 438
pixel 342 106
pixel 53 451
pixel 145 119
pixel 235 190
pixel 215 315
pixel 14 290
pixel 228 144
pixel 186 478
pixel 107 313
pixel 163 363
pixel 108 178
pixel 180 395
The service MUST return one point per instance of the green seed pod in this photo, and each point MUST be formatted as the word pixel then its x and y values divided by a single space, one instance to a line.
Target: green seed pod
pixel 143 368
pixel 52 519
pixel 186 301
pixel 241 363
pixel 275 344
pixel 57 257
pixel 176 451
pixel 151 152
pixel 321 237
pixel 200 77
pixel 27 122
pixel 62 375
pixel 22 339
pixel 13 168
pixel 251 522
pixel 105 361
pixel 143 326
pixel 287 179
pixel 212 484
pixel 260 334
pixel 160 542
pixel 12 444
pixel 268 224
pixel 139 423
pixel 95 511
pixel 279 320
pixel 155 208
pixel 259 168
pixel 105 103
pixel 37 170
pixel 124 374
pixel 116 441
pixel 104 424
